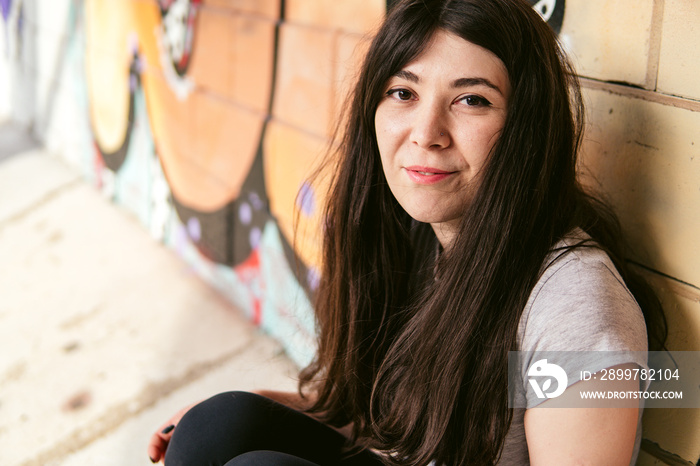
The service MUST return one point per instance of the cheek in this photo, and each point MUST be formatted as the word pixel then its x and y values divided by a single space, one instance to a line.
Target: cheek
pixel 381 119
pixel 380 131
pixel 382 146
pixel 389 127
pixel 483 139
pixel 387 145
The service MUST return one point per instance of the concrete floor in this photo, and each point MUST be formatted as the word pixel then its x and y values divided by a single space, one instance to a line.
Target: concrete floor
pixel 104 333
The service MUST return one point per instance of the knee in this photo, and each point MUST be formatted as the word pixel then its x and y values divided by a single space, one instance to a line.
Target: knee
pixel 216 430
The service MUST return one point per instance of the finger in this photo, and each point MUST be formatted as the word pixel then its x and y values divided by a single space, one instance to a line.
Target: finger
pixel 156 447
pixel 168 430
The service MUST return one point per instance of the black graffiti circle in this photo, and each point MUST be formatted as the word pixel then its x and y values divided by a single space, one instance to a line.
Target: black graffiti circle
pixel 551 10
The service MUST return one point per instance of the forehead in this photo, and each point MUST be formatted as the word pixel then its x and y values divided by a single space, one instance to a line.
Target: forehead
pixel 449 57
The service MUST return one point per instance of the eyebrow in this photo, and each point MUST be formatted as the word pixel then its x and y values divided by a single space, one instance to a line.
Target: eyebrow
pixel 457 83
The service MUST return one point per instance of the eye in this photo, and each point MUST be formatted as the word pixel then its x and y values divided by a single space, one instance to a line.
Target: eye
pixel 475 101
pixel 400 94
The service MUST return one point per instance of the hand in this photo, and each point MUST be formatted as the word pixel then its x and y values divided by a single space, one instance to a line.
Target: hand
pixel 161 438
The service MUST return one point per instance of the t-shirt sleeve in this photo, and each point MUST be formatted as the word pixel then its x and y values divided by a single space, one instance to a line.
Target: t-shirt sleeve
pixel 582 305
pixel 582 308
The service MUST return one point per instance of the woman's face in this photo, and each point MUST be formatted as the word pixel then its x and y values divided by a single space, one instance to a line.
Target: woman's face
pixel 439 118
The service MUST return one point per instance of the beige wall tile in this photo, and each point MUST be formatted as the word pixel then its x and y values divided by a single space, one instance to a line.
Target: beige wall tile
pixel 291 156
pixel 675 430
pixel 682 315
pixel 679 62
pixel 253 57
pixel 645 459
pixel 211 65
pixel 267 8
pixel 304 78
pixel 227 142
pixel 609 39
pixel 347 15
pixel 646 157
pixel 108 87
pixel 107 60
pixel 350 51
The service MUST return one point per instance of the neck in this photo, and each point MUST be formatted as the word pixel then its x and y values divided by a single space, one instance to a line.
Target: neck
pixel 445 232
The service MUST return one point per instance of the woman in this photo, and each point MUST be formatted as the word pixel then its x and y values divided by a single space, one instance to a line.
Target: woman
pixel 456 232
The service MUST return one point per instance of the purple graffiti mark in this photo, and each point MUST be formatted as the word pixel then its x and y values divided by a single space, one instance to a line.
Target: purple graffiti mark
pixel 5 5
pixel 245 213
pixel 255 200
pixel 306 200
pixel 194 229
pixel 139 63
pixel 313 278
pixel 181 239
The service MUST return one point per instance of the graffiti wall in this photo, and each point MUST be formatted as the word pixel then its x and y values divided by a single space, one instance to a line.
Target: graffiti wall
pixel 180 102
pixel 235 103
pixel 206 117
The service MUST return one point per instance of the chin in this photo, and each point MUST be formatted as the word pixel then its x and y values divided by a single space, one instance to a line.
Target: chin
pixel 434 214
pixel 425 217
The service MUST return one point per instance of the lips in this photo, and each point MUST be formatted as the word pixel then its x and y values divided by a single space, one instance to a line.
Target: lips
pixel 427 175
pixel 427 170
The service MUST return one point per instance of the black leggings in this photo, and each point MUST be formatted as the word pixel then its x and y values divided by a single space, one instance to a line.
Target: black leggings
pixel 240 428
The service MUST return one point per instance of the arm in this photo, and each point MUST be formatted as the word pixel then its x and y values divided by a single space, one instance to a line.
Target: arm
pixel 600 433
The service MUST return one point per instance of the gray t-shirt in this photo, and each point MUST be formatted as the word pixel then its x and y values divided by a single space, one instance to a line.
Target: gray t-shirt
pixel 580 303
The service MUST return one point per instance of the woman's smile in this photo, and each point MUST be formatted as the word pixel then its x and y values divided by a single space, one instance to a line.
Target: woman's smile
pixel 439 120
pixel 427 175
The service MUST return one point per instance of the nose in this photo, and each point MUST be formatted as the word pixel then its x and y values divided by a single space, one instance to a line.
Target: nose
pixel 429 130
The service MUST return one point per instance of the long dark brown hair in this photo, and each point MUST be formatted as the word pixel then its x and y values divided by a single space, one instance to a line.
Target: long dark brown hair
pixel 422 374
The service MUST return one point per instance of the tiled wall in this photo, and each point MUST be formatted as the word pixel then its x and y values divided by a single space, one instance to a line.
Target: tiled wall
pixel 208 142
pixel 640 64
